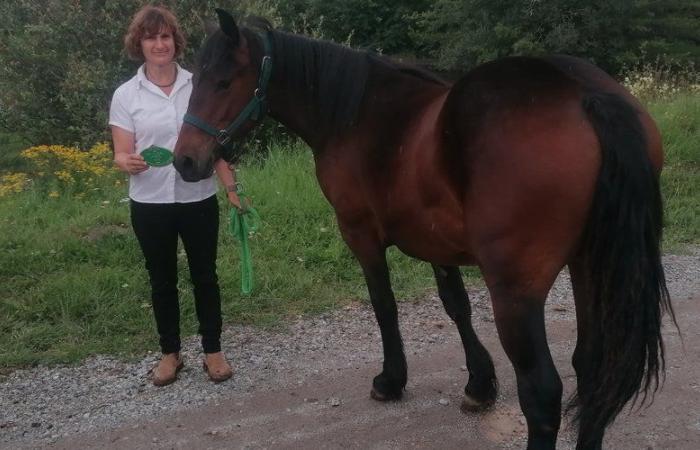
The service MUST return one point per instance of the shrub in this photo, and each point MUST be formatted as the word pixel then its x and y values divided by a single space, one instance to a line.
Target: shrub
pixel 58 169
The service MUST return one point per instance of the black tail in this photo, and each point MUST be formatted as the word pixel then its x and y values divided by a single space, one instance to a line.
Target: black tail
pixel 624 352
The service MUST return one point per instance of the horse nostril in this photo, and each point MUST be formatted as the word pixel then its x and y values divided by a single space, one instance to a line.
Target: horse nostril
pixel 187 168
pixel 187 163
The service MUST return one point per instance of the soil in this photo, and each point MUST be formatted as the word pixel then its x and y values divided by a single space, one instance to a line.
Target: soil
pixel 331 408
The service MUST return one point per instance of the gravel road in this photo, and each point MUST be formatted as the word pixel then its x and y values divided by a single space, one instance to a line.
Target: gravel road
pixel 307 386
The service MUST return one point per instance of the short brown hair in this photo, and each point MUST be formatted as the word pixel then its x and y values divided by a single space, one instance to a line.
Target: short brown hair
pixel 150 20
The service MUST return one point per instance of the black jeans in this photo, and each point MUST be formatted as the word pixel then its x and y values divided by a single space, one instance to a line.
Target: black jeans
pixel 157 227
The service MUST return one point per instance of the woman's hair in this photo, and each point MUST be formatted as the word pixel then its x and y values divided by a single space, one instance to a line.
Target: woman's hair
pixel 151 20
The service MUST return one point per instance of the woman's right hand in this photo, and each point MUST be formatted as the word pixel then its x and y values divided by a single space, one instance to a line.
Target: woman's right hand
pixel 131 163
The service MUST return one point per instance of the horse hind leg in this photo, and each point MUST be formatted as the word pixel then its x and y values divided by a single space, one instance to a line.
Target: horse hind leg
pixel 581 359
pixel 481 389
pixel 518 305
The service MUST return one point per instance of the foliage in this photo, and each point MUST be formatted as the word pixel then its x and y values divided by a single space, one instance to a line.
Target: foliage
pixel 58 168
pixel 463 33
pixel 61 61
pixel 369 24
pixel 658 80
pixel 13 183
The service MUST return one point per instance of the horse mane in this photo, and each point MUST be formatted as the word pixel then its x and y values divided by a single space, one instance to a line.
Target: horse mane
pixel 415 71
pixel 332 76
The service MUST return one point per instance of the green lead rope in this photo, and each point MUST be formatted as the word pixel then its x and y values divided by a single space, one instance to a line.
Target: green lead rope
pixel 243 222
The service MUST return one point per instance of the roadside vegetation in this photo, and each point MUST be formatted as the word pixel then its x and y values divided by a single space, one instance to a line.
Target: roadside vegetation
pixel 72 281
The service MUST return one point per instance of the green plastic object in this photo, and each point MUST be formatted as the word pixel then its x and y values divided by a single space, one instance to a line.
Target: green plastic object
pixel 243 222
pixel 157 156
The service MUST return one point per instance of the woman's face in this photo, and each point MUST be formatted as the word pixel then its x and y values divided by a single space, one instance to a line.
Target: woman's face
pixel 159 48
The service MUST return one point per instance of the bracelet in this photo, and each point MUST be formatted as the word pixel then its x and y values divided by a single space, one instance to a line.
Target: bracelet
pixel 231 188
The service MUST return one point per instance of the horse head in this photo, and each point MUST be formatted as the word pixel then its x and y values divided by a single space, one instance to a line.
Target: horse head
pixel 228 98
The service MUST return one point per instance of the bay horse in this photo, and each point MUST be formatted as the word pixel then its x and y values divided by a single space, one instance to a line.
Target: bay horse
pixel 523 166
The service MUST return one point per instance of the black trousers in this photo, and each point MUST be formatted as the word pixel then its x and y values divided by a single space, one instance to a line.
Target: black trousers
pixel 157 227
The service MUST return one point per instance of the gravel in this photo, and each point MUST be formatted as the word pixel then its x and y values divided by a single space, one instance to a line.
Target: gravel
pixel 44 403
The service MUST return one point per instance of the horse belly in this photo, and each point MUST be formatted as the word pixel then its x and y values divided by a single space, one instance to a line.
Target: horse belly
pixel 434 235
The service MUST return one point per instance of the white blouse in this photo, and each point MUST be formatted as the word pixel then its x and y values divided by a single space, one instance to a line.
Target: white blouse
pixel 140 107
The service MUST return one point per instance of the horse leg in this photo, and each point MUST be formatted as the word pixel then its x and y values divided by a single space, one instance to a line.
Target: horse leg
pixel 519 313
pixel 362 241
pixel 480 391
pixel 582 297
pixel 389 384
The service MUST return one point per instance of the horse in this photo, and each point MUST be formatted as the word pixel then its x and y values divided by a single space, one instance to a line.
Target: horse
pixel 522 167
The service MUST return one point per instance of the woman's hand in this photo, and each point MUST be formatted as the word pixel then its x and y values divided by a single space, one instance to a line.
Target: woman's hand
pixel 125 156
pixel 234 199
pixel 131 163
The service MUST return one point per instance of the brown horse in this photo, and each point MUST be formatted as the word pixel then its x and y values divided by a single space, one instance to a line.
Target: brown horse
pixel 522 167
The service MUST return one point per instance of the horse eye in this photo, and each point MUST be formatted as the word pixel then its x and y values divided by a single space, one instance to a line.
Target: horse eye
pixel 223 84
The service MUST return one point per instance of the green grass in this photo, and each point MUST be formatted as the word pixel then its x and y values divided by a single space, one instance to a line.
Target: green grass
pixel 679 121
pixel 72 281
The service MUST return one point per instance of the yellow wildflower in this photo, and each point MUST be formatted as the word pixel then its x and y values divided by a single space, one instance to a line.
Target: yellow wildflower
pixel 81 169
pixel 12 183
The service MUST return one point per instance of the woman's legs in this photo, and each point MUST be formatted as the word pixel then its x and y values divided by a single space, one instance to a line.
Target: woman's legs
pixel 155 228
pixel 198 226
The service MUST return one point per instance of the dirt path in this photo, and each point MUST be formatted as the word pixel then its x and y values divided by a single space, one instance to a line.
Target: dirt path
pixel 332 409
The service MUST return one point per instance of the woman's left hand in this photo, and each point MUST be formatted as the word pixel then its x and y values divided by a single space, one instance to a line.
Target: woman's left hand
pixel 234 199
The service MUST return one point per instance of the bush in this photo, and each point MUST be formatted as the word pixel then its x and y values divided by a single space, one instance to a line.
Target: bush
pixel 59 170
pixel 61 61
pixel 613 34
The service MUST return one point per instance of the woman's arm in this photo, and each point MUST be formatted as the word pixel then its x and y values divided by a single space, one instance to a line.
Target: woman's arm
pixel 228 180
pixel 125 156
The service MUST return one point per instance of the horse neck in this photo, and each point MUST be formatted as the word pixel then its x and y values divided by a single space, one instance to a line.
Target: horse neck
pixel 321 91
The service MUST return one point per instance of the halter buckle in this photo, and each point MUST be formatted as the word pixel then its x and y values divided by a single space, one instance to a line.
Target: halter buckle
pixel 223 138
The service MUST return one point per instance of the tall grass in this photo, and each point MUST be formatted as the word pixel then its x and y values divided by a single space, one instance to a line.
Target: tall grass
pixel 679 120
pixel 72 281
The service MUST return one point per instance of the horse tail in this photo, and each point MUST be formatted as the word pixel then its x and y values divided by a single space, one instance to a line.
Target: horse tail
pixel 621 266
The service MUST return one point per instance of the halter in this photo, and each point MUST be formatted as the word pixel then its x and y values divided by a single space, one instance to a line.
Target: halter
pixel 254 110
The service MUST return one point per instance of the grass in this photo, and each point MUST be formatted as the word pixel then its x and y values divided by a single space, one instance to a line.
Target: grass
pixel 72 281
pixel 679 120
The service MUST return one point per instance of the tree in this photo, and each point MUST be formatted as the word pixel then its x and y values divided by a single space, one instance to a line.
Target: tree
pixel 612 33
pixel 60 62
pixel 370 24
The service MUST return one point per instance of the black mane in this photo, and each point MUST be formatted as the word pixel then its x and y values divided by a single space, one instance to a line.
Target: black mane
pixel 333 76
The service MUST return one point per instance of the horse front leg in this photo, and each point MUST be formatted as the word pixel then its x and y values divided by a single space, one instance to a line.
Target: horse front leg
pixel 390 383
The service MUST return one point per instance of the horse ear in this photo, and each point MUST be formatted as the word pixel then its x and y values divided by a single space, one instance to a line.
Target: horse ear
pixel 228 25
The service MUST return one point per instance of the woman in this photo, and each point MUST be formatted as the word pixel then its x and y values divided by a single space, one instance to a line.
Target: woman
pixel 147 111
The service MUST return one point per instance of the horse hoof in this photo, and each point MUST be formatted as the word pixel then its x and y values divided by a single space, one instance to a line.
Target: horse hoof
pixel 376 395
pixel 472 405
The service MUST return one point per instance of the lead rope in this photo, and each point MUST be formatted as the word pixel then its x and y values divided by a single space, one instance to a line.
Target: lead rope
pixel 243 222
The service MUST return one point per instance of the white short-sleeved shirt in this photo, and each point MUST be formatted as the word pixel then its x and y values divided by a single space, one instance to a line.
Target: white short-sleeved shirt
pixel 140 107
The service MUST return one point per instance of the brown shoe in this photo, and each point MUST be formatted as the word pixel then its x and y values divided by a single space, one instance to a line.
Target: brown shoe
pixel 166 371
pixel 216 367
